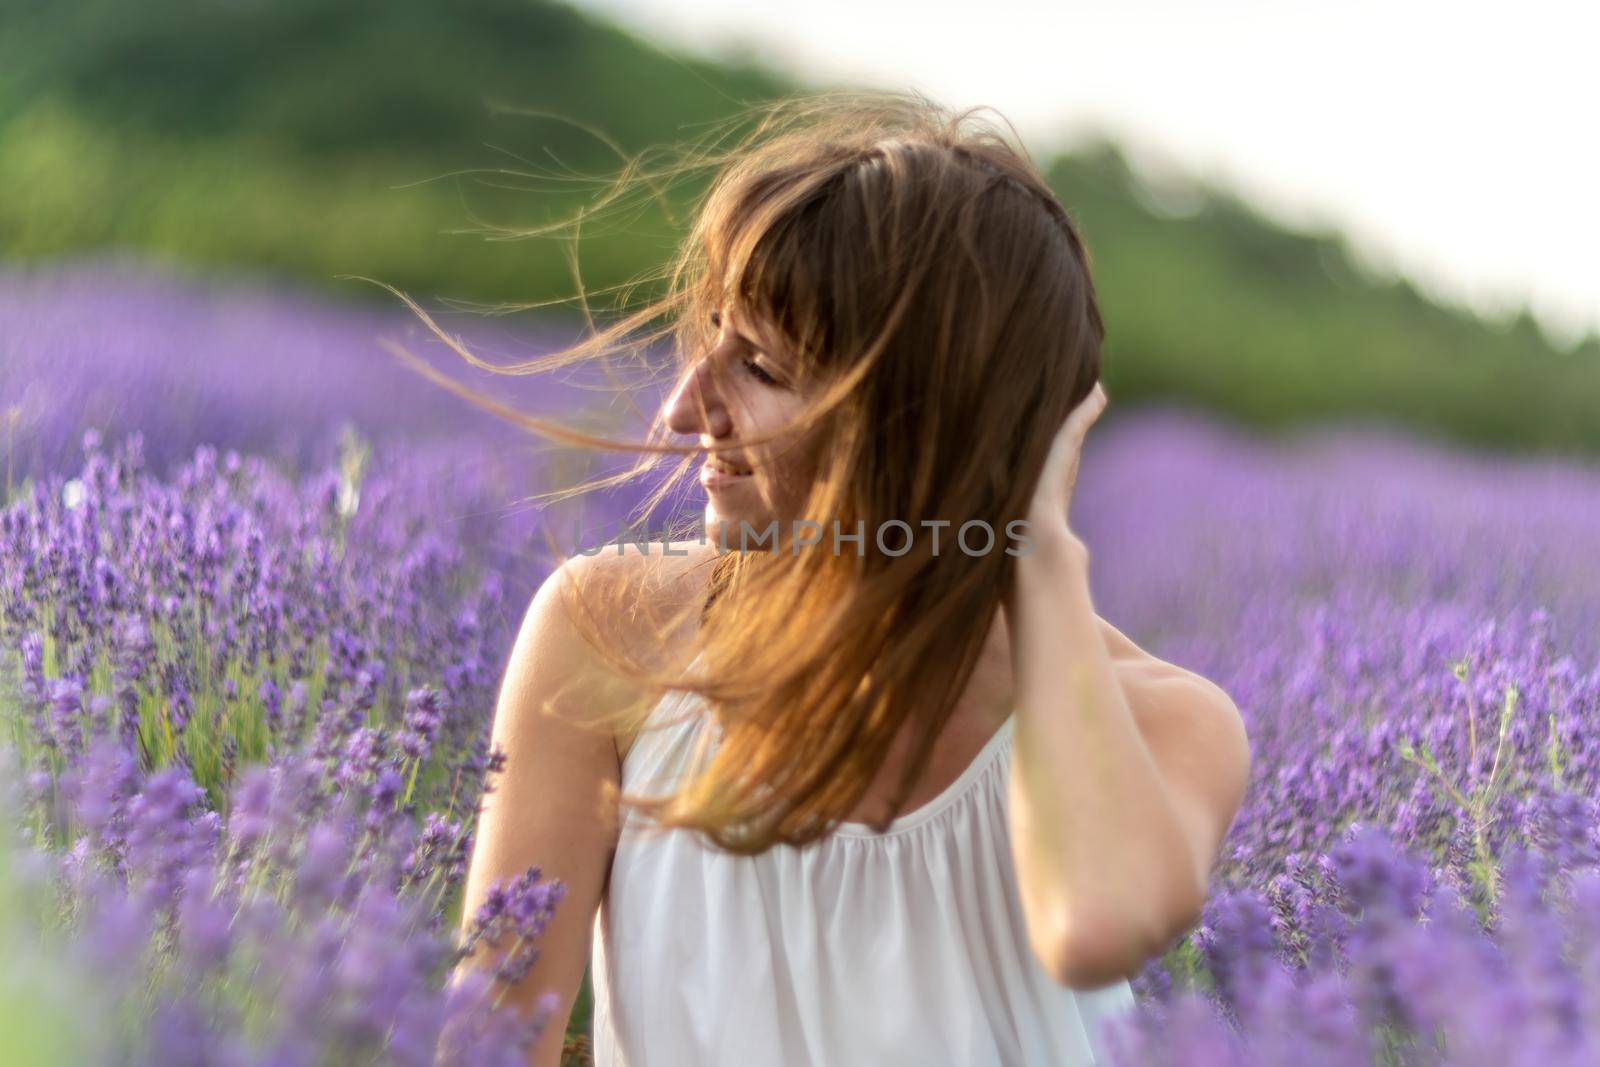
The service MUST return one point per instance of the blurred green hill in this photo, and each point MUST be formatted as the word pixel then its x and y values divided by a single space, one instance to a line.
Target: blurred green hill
pixel 389 139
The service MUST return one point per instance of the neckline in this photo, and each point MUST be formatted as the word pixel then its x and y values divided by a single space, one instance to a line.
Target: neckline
pixel 947 796
pixel 905 821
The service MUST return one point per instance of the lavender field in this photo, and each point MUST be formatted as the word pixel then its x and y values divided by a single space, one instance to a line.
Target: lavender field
pixel 257 584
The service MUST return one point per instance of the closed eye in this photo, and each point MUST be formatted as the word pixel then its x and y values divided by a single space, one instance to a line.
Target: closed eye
pixel 760 375
pixel 758 372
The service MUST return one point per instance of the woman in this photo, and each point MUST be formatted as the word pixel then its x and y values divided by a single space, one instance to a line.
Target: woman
pixel 878 786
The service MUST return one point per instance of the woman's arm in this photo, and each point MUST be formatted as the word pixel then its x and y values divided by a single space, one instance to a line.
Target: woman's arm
pixel 1126 772
pixel 546 806
pixel 1125 777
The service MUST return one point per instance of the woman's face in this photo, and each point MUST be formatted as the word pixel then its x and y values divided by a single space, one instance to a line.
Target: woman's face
pixel 743 388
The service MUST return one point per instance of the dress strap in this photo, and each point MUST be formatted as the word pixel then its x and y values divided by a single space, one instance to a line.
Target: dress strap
pixel 669 746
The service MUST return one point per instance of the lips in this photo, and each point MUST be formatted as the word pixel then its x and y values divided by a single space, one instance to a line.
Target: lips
pixel 725 466
pixel 716 481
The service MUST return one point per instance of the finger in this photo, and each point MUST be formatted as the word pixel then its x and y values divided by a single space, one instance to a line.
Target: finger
pixel 1062 462
pixel 1087 411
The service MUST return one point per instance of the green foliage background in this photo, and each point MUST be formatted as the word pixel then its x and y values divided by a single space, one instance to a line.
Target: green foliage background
pixel 387 138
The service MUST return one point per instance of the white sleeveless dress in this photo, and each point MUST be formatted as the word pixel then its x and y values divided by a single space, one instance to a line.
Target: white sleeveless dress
pixel 905 947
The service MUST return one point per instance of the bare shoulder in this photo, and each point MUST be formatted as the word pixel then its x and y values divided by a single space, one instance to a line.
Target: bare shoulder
pixel 642 596
pixel 642 601
pixel 560 693
pixel 1125 653
pixel 1155 688
pixel 1135 666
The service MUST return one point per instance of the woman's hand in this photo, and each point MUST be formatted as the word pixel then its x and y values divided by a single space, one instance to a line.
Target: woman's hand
pixel 1053 495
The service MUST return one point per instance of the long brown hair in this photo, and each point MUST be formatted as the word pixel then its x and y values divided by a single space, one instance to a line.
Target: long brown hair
pixel 932 289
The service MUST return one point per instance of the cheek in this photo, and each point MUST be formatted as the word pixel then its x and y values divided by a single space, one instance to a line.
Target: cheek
pixel 802 465
pixel 799 458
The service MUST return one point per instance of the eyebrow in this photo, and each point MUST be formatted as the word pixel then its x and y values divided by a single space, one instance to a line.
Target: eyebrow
pixel 727 316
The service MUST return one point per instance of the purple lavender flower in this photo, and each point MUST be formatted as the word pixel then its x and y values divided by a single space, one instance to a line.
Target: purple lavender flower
pixel 253 662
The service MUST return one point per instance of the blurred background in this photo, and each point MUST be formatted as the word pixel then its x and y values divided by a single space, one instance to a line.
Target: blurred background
pixel 1296 214
pixel 1345 254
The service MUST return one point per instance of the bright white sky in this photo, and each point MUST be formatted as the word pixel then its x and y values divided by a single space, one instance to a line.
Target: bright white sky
pixel 1453 141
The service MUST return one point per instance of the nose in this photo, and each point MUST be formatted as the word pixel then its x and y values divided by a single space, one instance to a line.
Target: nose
pixel 695 406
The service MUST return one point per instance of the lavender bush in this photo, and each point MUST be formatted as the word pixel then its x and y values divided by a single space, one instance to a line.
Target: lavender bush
pixel 1411 634
pixel 252 722
pixel 248 687
pixel 188 630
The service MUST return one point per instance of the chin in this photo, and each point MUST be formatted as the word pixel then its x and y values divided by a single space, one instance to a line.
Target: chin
pixel 722 526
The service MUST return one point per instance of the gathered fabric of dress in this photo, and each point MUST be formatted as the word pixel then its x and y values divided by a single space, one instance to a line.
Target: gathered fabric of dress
pixel 901 947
